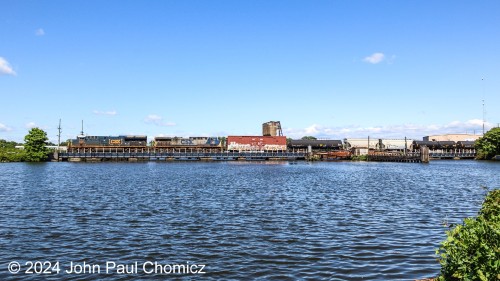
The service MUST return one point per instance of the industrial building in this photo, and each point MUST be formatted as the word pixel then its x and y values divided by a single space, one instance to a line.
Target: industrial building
pixel 272 129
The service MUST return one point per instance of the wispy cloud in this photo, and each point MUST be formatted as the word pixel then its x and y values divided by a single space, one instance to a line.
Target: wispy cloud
pixel 158 121
pixel 39 32
pixel 30 125
pixel 397 131
pixel 5 128
pixel 375 58
pixel 5 67
pixel 108 113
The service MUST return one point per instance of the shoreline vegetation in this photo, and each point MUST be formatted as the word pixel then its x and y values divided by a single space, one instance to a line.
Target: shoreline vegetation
pixel 35 148
pixel 471 250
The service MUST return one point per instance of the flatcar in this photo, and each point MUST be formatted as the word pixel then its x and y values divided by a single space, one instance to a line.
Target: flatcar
pixel 129 141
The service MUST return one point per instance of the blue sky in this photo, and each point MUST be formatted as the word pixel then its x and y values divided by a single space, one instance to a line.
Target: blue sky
pixel 332 69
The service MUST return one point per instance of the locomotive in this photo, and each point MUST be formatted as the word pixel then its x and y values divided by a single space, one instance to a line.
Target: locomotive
pixel 129 141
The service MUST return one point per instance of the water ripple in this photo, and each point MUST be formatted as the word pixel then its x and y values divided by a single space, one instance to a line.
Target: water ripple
pixel 261 221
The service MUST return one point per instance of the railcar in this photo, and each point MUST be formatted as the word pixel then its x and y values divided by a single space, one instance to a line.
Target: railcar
pixel 191 142
pixel 466 144
pixel 315 144
pixel 434 144
pixel 256 143
pixel 129 141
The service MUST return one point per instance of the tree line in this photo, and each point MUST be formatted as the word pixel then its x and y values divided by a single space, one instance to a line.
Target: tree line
pixel 35 148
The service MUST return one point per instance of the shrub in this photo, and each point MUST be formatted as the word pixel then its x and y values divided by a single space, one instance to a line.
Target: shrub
pixel 472 250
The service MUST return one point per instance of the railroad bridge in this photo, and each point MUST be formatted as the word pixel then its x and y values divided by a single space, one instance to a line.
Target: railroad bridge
pixel 155 154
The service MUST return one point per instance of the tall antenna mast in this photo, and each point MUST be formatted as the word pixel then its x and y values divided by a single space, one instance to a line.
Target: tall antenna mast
pixel 81 133
pixel 482 80
pixel 483 117
pixel 59 135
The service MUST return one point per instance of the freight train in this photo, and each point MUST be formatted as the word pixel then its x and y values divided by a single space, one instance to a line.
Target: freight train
pixel 233 143
pixel 250 143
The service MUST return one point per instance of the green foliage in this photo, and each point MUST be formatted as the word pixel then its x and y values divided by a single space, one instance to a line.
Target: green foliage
pixel 8 144
pixel 34 145
pixel 489 145
pixel 309 138
pixel 491 206
pixel 8 152
pixel 359 157
pixel 472 250
pixel 11 155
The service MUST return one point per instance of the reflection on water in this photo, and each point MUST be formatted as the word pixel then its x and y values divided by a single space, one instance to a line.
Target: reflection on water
pixel 267 220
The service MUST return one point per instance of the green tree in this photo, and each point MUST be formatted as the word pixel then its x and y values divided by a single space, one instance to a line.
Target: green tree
pixel 34 145
pixel 489 145
pixel 309 138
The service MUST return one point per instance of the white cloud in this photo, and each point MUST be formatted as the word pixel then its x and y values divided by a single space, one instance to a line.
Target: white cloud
pixel 5 128
pixel 397 131
pixel 152 118
pixel 158 121
pixel 375 58
pixel 5 67
pixel 109 113
pixel 30 125
pixel 40 32
pixel 313 129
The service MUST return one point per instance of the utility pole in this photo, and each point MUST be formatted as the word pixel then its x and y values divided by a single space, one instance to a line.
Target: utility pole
pixel 59 135
pixel 406 146
pixel 368 150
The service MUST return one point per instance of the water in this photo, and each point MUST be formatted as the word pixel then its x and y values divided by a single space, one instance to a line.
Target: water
pixel 243 221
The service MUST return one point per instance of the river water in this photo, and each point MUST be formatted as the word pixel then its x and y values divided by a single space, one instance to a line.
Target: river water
pixel 237 220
